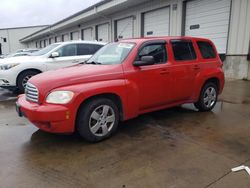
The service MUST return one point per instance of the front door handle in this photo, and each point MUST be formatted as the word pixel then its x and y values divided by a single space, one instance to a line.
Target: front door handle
pixel 164 71
pixel 196 67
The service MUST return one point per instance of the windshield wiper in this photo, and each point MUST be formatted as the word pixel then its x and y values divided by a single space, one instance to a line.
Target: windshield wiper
pixel 84 62
pixel 93 63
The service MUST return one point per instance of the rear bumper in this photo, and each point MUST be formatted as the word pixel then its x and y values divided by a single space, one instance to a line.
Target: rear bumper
pixel 47 117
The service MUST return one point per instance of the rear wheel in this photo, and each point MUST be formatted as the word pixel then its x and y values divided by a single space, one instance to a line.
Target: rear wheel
pixel 97 119
pixel 23 79
pixel 208 97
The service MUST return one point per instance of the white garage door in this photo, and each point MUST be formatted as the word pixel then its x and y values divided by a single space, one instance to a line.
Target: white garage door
pixel 209 19
pixel 103 32
pixel 52 40
pixel 58 39
pixel 65 37
pixel 87 34
pixel 75 35
pixel 156 23
pixel 125 28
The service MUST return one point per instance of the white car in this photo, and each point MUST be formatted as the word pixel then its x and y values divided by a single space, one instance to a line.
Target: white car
pixel 16 71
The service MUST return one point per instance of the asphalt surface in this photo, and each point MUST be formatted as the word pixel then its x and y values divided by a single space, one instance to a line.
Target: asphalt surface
pixel 172 148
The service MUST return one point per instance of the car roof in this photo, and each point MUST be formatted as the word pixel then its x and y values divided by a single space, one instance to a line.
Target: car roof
pixel 145 39
pixel 81 42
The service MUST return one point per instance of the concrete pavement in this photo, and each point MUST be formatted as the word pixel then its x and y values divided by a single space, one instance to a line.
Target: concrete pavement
pixel 173 148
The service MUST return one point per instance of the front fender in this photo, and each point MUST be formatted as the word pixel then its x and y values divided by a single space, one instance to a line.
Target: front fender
pixel 87 90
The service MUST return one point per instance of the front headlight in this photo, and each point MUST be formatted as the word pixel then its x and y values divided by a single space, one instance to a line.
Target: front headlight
pixel 60 97
pixel 8 66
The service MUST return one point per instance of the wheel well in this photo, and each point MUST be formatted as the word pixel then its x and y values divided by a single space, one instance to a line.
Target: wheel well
pixel 215 81
pixel 36 70
pixel 115 98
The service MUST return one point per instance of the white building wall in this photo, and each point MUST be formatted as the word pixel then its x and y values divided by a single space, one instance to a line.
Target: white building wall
pixel 235 65
pixel 13 35
pixel 239 33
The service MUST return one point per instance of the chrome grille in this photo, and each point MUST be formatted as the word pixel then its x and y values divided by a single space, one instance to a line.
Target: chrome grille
pixel 31 93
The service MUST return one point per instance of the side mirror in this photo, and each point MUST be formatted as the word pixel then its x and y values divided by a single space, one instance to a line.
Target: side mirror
pixel 145 60
pixel 54 54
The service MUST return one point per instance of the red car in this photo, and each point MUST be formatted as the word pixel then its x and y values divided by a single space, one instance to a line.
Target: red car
pixel 121 81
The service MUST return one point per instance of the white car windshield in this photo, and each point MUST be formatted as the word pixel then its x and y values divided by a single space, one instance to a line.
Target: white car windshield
pixel 45 50
pixel 113 53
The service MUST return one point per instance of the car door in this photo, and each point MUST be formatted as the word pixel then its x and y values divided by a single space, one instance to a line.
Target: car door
pixel 184 70
pixel 67 57
pixel 152 80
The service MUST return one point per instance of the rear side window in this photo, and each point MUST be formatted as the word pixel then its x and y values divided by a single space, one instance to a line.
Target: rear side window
pixel 183 50
pixel 206 49
pixel 68 50
pixel 158 51
pixel 87 49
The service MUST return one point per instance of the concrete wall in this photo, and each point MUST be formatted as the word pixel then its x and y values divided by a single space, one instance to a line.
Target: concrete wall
pixel 13 35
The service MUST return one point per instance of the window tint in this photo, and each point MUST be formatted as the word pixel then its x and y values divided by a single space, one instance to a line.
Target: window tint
pixel 183 50
pixel 87 49
pixel 158 51
pixel 207 50
pixel 68 50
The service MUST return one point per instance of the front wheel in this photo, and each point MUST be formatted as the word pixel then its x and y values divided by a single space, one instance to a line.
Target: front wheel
pixel 208 97
pixel 97 119
pixel 23 79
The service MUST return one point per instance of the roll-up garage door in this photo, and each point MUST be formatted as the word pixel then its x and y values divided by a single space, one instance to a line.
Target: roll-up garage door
pixel 74 35
pixel 87 34
pixel 125 28
pixel 209 19
pixel 103 32
pixel 58 39
pixel 156 22
pixel 51 40
pixel 65 37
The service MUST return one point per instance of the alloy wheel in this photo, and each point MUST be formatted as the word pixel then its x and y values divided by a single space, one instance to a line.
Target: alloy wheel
pixel 102 120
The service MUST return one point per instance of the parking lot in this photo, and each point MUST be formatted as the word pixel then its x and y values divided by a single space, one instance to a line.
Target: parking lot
pixel 177 147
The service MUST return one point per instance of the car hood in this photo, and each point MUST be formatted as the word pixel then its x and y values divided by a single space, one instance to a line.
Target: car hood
pixel 20 59
pixel 77 74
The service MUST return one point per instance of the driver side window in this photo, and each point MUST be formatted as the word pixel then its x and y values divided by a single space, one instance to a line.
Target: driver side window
pixel 158 51
pixel 68 50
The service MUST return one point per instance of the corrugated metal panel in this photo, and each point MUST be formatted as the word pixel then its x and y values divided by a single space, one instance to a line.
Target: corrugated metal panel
pixel 103 32
pixel 125 28
pixel 239 34
pixel 209 19
pixel 87 34
pixel 156 23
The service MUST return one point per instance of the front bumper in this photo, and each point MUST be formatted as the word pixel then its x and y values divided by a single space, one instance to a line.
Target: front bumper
pixel 47 117
pixel 7 79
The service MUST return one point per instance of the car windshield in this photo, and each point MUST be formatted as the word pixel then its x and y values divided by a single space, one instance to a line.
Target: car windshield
pixel 113 53
pixel 45 50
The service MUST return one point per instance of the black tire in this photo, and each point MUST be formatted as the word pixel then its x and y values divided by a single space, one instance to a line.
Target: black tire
pixel 22 78
pixel 202 104
pixel 85 120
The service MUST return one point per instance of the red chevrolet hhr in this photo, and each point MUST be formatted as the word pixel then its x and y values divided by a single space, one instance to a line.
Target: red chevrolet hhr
pixel 121 81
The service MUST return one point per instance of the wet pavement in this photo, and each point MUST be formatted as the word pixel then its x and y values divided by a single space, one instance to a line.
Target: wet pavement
pixel 7 95
pixel 173 148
